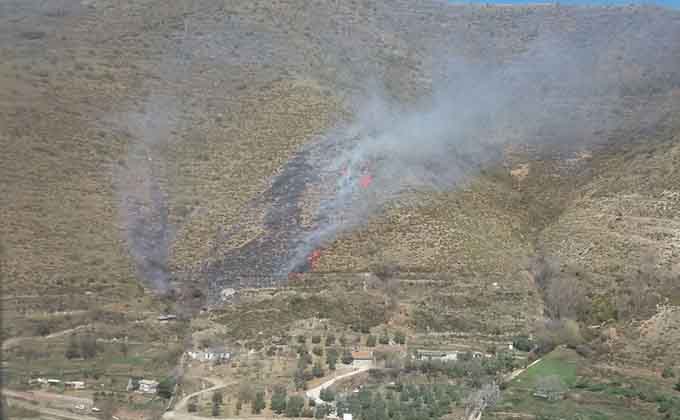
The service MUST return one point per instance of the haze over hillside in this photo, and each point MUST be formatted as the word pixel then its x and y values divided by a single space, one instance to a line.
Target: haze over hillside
pixel 203 144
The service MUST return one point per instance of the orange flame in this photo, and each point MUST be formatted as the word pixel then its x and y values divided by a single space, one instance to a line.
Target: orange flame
pixel 365 180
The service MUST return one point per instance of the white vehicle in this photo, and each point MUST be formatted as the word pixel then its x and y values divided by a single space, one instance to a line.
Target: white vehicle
pixel 80 406
pixel 95 410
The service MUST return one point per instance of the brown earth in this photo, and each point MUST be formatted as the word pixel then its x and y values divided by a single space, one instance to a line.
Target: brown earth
pixel 235 89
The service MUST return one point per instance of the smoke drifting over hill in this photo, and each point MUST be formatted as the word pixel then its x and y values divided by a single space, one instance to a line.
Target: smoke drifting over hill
pixel 544 86
pixel 143 209
pixel 554 93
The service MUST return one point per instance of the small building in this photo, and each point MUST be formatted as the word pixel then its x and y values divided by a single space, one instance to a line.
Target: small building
pixel 547 395
pixel 39 381
pixel 347 416
pixel 436 355
pixel 362 358
pixel 148 386
pixel 53 382
pixel 209 355
pixel 74 385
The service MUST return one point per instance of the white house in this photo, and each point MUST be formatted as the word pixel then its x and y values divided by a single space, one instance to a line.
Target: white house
pixel 148 386
pixel 208 355
pixel 436 355
pixel 74 384
pixel 362 359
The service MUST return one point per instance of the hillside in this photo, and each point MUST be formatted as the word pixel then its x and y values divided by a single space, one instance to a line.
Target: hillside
pixel 156 152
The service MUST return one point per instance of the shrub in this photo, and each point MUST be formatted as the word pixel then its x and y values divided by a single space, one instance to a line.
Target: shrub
pixel 331 358
pixel 72 350
pixel 166 387
pixel 399 337
pixel 370 341
pixel 317 350
pixel 278 402
pixel 668 373
pixel 294 406
pixel 217 397
pixel 316 339
pixel 192 407
pixel 522 343
pixel 317 370
pixel 327 395
pixel 321 411
pixel 259 403
pixel 43 329
pixel 347 358
pixel 330 340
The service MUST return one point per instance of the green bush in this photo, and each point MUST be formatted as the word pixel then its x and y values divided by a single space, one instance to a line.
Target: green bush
pixel 371 341
pixel 259 403
pixel 166 387
pixel 327 395
pixel 278 402
pixel 317 370
pixel 668 373
pixel 294 406
pixel 522 343
pixel 347 358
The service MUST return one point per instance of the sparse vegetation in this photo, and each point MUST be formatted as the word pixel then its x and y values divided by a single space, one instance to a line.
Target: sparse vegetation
pixel 435 269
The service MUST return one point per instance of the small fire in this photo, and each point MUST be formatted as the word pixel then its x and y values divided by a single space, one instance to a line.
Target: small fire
pixel 313 258
pixel 365 180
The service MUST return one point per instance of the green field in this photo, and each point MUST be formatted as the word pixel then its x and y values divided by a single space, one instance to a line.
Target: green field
pixel 562 363
pixel 591 393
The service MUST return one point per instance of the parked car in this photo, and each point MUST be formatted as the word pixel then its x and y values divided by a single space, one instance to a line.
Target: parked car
pixel 80 406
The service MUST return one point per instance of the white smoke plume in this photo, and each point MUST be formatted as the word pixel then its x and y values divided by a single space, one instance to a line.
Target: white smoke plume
pixel 553 93
pixel 143 208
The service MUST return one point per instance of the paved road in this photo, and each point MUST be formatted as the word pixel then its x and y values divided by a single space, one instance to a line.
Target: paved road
pixel 314 393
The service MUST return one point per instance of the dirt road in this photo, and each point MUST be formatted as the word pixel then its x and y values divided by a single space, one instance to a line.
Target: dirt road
pixel 12 342
pixel 41 396
pixel 517 372
pixel 179 412
pixel 313 394
pixel 19 399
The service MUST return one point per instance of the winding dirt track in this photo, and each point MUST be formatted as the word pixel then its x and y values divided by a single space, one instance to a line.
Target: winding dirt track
pixel 13 342
pixel 31 401
pixel 179 412
pixel 314 393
